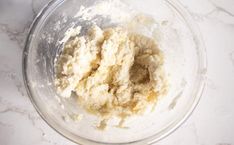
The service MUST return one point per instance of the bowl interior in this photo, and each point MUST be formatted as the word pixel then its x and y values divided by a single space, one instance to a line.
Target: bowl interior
pixel 184 65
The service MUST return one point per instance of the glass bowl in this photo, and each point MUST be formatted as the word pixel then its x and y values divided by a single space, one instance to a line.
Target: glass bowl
pixel 185 65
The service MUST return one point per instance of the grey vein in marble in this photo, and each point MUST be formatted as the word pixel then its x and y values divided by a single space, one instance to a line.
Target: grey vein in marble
pixel 213 15
pixel 17 36
pixel 9 73
pixel 221 9
pixel 231 56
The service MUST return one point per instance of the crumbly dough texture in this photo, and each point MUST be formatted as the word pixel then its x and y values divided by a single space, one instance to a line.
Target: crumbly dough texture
pixel 111 72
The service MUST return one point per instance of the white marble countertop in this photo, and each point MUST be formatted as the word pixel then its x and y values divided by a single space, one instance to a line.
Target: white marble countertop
pixel 212 122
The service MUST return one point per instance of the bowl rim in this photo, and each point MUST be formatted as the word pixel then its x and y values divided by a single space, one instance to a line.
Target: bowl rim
pixel 151 139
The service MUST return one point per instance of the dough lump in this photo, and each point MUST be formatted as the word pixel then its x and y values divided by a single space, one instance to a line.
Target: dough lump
pixel 111 72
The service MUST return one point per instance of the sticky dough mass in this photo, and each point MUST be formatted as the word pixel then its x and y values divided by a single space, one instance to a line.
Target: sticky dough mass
pixel 111 72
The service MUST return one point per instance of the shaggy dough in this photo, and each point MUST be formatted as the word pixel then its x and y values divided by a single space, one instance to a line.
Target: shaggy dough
pixel 112 72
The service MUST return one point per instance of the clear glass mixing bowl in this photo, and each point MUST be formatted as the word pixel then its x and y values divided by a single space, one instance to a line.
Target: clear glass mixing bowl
pixel 185 64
